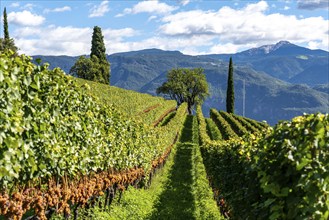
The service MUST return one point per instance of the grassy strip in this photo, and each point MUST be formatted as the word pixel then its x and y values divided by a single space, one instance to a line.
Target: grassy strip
pixel 206 205
pixel 188 194
pixel 177 200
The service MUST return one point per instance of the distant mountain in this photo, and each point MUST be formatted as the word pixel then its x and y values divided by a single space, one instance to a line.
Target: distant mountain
pixel 283 48
pixel 64 62
pixel 267 96
pixel 283 61
pixel 312 76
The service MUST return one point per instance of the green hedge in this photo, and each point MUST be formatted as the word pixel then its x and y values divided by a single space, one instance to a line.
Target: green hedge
pixel 246 124
pixel 235 124
pixel 224 127
pixel 213 130
pixel 279 174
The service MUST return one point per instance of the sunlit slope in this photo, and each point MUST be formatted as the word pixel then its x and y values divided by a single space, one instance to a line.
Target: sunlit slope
pixel 136 105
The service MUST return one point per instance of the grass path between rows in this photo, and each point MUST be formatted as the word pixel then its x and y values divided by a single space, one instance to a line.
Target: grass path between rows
pixel 187 194
pixel 180 190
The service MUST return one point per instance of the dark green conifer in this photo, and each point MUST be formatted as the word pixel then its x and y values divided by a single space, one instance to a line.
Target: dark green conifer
pixel 230 89
pixel 7 43
pixel 97 67
pixel 5 25
pixel 97 44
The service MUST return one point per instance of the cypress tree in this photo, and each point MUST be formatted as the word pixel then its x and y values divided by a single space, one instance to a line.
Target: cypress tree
pixel 230 89
pixel 98 55
pixel 97 44
pixel 95 68
pixel 7 42
pixel 5 25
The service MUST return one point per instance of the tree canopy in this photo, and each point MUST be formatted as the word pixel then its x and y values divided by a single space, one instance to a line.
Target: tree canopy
pixel 185 85
pixel 95 68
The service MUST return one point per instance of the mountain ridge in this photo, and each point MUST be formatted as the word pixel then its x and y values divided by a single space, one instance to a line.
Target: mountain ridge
pixel 269 96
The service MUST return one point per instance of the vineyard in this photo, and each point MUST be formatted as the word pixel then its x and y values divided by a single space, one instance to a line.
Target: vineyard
pixel 282 172
pixel 75 149
pixel 62 148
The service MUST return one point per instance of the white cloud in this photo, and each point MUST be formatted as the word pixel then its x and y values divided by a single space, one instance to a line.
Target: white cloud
pixel 226 30
pixel 116 35
pixel 225 48
pixel 25 18
pixel 249 25
pixel 99 10
pixel 317 44
pixel 153 7
pixel 286 8
pixel 72 41
pixel 261 6
pixel 62 9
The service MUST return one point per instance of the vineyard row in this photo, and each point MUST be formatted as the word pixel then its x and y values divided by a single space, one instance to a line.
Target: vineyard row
pixel 282 172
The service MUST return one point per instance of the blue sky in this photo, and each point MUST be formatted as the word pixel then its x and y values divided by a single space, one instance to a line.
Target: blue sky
pixel 190 26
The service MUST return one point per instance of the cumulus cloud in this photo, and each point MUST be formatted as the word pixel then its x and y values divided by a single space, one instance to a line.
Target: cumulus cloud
pixel 227 48
pixel 312 4
pixel 72 41
pixel 249 25
pixel 25 18
pixel 62 9
pixel 153 7
pixel 100 10
pixel 226 30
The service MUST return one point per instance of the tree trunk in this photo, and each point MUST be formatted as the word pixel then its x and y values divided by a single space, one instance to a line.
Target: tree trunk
pixel 189 108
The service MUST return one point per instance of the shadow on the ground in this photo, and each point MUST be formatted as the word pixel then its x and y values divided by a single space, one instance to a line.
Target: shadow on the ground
pixel 177 200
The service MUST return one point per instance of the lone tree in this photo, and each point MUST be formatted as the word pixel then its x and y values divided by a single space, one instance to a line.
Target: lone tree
pixel 95 68
pixel 185 85
pixel 230 89
pixel 6 42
